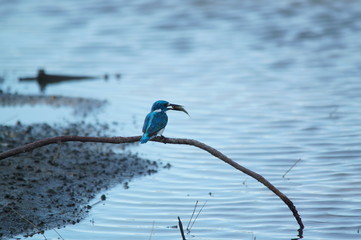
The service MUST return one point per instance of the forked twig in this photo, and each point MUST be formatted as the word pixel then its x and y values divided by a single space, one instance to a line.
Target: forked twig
pixel 31 223
pixel 28 221
pixel 199 212
pixel 190 220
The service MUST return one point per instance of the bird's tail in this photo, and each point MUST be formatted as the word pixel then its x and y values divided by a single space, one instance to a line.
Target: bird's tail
pixel 145 138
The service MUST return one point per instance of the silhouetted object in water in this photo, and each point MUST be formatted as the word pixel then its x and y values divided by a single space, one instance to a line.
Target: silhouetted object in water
pixel 44 79
pixel 118 76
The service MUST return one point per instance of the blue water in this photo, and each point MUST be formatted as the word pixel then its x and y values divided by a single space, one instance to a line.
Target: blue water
pixel 266 83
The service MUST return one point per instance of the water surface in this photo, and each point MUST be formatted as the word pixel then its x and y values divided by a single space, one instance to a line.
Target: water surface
pixel 265 83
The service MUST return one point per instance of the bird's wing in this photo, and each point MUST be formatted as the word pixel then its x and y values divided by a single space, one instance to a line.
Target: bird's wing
pixel 146 122
pixel 156 122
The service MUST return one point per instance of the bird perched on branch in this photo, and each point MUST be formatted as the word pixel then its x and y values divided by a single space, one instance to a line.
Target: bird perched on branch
pixel 157 119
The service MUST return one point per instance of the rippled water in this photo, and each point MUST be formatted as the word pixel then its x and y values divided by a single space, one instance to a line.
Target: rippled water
pixel 267 83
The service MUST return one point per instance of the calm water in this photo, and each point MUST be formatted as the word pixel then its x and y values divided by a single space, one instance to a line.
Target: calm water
pixel 267 83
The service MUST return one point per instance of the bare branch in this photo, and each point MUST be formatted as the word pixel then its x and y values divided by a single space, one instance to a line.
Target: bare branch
pixel 61 139
pixel 117 140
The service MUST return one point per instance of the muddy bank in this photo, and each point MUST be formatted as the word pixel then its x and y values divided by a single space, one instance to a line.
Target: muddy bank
pixel 81 106
pixel 52 186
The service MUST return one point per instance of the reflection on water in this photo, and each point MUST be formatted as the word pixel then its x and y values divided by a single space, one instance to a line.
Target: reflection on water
pixel 265 83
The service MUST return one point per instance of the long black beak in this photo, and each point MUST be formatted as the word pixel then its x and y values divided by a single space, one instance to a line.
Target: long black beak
pixel 177 108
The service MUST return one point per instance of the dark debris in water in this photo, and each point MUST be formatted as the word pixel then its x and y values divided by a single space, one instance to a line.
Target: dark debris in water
pixel 43 79
pixel 52 186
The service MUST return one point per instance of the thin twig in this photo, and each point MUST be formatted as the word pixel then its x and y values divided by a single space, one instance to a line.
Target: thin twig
pixel 58 233
pixel 28 221
pixel 152 231
pixel 31 223
pixel 291 168
pixel 209 149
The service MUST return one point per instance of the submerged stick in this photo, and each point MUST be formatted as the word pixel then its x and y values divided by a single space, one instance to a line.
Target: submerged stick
pixel 116 140
pixel 291 167
pixel 180 224
pixel 195 219
pixel 190 220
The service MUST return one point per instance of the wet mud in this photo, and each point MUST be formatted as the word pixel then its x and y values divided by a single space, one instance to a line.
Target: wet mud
pixel 80 106
pixel 52 186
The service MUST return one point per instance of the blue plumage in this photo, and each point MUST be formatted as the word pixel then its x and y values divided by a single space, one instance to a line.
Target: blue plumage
pixel 157 119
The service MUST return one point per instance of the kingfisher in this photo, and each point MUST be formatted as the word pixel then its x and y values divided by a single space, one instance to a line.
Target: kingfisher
pixel 157 119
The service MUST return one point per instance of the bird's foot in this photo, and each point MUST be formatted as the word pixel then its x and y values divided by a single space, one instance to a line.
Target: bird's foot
pixel 162 139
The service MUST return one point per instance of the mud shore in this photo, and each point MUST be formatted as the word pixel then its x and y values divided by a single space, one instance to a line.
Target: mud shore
pixel 52 186
pixel 81 106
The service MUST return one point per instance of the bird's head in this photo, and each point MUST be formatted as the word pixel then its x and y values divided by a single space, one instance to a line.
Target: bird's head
pixel 163 106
